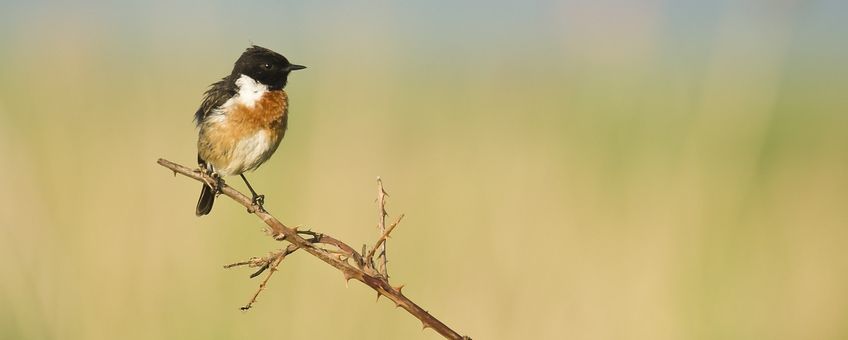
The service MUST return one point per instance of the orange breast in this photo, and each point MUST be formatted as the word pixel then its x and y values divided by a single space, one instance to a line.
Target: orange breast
pixel 243 137
pixel 269 112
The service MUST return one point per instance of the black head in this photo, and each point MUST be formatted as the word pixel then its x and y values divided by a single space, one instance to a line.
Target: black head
pixel 265 66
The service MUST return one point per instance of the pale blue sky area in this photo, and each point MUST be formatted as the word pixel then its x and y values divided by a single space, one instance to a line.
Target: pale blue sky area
pixel 424 26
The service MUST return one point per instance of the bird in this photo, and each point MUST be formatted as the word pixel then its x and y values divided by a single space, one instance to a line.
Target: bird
pixel 242 120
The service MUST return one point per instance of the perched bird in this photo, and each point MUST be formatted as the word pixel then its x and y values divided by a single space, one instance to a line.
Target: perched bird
pixel 242 120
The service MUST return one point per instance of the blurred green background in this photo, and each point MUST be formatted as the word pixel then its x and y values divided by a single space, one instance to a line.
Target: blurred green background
pixel 569 169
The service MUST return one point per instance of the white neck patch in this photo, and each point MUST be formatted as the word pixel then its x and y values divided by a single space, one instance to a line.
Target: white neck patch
pixel 249 90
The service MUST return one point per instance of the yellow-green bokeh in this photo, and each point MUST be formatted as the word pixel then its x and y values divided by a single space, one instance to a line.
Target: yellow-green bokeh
pixel 568 170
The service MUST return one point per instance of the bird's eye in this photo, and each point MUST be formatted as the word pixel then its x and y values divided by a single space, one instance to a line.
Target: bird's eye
pixel 268 66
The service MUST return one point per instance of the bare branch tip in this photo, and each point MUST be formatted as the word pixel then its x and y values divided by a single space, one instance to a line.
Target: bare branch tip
pixel 259 272
pixel 231 265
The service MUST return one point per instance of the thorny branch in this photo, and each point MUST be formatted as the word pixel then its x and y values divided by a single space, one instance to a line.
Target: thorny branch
pixel 381 226
pixel 362 269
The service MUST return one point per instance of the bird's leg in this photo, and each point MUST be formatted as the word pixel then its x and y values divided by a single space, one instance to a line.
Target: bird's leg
pixel 206 169
pixel 219 183
pixel 258 200
pixel 218 180
pixel 203 171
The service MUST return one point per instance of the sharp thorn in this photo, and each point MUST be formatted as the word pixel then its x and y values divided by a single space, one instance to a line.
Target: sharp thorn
pixel 378 297
pixel 347 279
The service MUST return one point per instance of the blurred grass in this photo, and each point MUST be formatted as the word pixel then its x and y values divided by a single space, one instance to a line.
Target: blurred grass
pixel 597 171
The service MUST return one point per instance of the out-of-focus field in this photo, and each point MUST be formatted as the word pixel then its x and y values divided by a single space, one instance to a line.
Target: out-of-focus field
pixel 596 170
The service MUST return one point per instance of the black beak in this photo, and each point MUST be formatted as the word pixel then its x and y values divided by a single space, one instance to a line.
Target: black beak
pixel 295 67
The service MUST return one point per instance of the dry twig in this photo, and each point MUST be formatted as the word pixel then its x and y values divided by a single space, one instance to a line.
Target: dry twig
pixel 362 270
pixel 381 225
pixel 381 241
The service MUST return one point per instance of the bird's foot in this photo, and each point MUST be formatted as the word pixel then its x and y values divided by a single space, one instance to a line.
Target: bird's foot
pixel 203 172
pixel 258 204
pixel 219 183
pixel 215 184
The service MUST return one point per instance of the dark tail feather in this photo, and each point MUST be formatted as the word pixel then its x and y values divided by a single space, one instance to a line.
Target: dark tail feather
pixel 204 203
